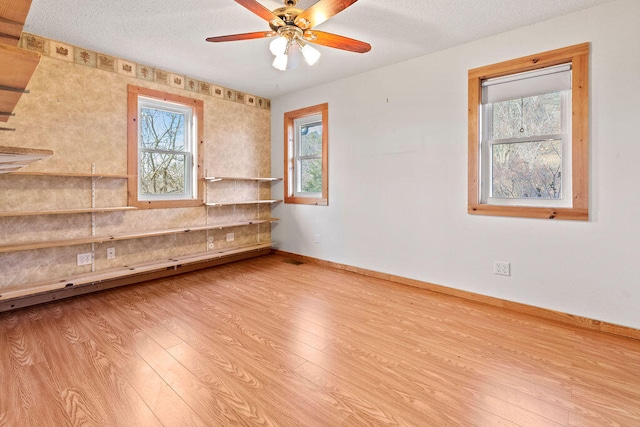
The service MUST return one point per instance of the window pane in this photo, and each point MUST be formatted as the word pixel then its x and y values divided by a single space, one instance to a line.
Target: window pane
pixel 527 170
pixel 162 130
pixel 523 117
pixel 162 173
pixel 311 139
pixel 310 176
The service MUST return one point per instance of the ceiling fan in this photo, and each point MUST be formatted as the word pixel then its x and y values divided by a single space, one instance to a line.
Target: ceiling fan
pixel 294 27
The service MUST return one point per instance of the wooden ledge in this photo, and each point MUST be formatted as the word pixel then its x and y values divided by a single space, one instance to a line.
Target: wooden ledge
pixel 244 202
pixel 73 175
pixel 69 211
pixel 36 293
pixel 14 158
pixel 238 178
pixel 126 236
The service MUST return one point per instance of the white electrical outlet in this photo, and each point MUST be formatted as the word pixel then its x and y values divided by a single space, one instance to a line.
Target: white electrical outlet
pixel 230 237
pixel 84 259
pixel 111 253
pixel 316 238
pixel 501 268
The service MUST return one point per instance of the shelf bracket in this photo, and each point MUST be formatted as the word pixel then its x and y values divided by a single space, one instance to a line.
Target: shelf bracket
pixel 13 89
pixel 7 129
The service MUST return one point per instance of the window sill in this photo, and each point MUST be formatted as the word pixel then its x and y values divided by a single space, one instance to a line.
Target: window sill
pixel 306 201
pixel 530 212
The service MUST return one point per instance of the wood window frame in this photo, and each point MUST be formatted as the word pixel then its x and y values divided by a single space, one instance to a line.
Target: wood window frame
pixel 197 106
pixel 578 56
pixel 289 152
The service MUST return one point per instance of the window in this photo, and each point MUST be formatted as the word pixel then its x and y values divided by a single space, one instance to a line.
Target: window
pixel 528 129
pixel 306 168
pixel 164 134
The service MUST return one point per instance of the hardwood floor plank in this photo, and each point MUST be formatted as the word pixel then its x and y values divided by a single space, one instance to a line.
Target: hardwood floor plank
pixel 206 402
pixel 153 329
pixel 452 388
pixel 24 351
pixel 168 406
pixel 239 393
pixel 362 406
pixel 267 342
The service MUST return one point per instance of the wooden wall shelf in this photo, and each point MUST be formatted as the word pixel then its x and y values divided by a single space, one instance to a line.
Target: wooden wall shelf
pixel 16 68
pixel 69 211
pixel 13 15
pixel 125 271
pixel 74 175
pixel 233 178
pixel 27 246
pixel 243 202
pixel 14 158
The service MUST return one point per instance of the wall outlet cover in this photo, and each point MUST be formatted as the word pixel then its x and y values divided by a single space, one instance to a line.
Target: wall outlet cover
pixel 502 268
pixel 84 259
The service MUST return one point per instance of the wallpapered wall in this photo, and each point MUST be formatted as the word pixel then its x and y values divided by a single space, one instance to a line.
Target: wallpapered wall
pixel 78 109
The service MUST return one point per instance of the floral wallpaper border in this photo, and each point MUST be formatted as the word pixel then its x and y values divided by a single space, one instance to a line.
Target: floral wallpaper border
pixel 69 53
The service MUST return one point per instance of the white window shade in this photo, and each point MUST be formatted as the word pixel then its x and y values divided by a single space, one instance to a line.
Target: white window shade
pixel 530 83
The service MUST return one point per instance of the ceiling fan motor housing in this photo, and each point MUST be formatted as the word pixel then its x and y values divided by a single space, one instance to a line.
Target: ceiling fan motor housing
pixel 287 14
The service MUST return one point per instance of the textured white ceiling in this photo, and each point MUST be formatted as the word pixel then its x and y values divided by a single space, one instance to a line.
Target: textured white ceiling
pixel 170 34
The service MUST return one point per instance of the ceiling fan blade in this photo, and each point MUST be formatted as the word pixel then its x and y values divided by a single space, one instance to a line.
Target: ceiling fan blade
pixel 320 12
pixel 336 41
pixel 245 36
pixel 262 12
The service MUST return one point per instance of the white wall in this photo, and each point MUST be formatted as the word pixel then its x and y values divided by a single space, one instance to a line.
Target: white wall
pixel 398 176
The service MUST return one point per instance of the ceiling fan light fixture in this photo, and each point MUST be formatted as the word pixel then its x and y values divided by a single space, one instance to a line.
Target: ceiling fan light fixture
pixel 280 62
pixel 310 54
pixel 279 45
pixel 291 25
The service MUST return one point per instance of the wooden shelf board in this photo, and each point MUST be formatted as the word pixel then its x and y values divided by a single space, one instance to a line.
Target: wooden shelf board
pixel 15 15
pixel 126 236
pixel 69 211
pixel 244 202
pixel 131 270
pixel 22 151
pixel 13 158
pixel 16 68
pixel 235 178
pixel 74 175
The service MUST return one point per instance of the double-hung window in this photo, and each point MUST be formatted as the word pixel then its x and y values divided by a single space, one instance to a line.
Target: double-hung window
pixel 528 127
pixel 526 138
pixel 163 149
pixel 306 156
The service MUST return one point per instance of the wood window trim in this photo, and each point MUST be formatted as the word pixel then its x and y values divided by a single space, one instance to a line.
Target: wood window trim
pixel 132 147
pixel 289 129
pixel 578 56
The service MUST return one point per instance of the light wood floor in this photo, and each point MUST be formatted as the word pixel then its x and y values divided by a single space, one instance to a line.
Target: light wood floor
pixel 267 342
